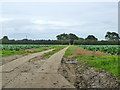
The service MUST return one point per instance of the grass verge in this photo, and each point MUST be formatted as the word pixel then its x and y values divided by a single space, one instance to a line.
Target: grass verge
pixel 69 51
pixel 109 63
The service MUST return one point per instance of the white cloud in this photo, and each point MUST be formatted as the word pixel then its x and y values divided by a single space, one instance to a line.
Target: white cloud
pixel 56 23
pixel 33 28
pixel 55 18
pixel 5 19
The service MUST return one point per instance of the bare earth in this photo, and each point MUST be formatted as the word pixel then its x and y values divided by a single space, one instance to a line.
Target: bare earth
pixel 8 67
pixel 84 76
pixel 83 52
pixel 10 58
pixel 35 73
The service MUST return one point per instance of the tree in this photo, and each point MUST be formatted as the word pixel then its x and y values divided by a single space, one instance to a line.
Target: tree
pixel 70 37
pixel 112 36
pixel 80 38
pixel 5 38
pixel 73 37
pixel 62 36
pixel 91 37
pixel 24 39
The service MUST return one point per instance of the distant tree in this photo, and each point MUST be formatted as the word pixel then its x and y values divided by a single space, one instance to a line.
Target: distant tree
pixel 62 36
pixel 112 36
pixel 91 37
pixel 5 38
pixel 73 36
pixel 24 39
pixel 80 38
pixel 70 37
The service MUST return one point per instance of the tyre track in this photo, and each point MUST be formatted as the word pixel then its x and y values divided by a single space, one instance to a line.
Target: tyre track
pixel 44 77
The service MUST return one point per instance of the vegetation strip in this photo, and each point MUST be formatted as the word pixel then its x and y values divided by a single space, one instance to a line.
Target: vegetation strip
pixel 8 50
pixel 112 38
pixel 106 62
pixel 110 49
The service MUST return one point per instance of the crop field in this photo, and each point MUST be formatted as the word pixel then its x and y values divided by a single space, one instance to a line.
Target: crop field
pixel 8 50
pixel 97 57
pixel 22 47
pixel 110 49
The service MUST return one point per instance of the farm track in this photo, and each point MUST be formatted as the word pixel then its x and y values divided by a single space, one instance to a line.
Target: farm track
pixel 12 69
pixel 16 63
pixel 37 73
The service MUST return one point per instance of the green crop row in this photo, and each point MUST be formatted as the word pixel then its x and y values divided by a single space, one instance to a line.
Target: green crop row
pixel 21 47
pixel 110 49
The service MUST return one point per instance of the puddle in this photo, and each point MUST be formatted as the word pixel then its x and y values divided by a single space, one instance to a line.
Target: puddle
pixel 71 61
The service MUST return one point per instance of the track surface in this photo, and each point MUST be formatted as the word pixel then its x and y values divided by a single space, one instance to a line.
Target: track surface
pixel 36 73
pixel 16 63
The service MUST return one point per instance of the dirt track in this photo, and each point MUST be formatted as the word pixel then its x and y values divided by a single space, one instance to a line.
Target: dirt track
pixel 37 73
pixel 8 67
pixel 84 76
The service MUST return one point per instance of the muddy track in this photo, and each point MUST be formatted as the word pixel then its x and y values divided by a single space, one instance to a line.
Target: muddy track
pixel 37 73
pixel 84 76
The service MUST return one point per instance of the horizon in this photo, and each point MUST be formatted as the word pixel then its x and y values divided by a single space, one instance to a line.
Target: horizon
pixel 49 39
pixel 47 20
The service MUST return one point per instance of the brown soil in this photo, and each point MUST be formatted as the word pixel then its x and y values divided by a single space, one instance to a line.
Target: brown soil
pixel 28 67
pixel 83 76
pixel 32 49
pixel 37 73
pixel 14 57
pixel 82 52
pixel 10 58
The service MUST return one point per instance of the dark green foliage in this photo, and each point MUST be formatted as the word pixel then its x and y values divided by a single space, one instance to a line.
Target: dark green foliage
pixel 63 37
pixel 94 42
pixel 5 38
pixel 112 36
pixel 70 37
pixel 91 37
pixel 41 42
pixel 66 39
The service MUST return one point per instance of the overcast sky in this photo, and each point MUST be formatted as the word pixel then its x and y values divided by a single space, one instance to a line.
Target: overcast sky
pixel 46 20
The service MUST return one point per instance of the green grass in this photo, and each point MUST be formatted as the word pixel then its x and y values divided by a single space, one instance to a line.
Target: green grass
pixel 57 48
pixel 109 63
pixel 9 52
pixel 69 51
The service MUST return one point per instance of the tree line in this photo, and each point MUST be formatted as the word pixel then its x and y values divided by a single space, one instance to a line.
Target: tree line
pixel 112 38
